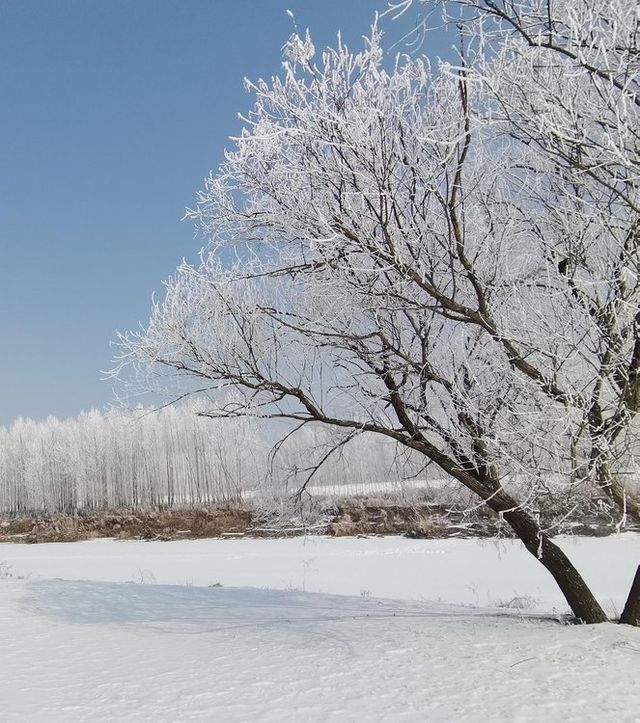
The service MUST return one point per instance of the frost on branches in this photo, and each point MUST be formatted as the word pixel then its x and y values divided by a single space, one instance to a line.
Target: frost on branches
pixel 444 256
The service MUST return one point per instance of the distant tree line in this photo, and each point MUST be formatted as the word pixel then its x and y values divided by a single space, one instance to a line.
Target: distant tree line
pixel 172 457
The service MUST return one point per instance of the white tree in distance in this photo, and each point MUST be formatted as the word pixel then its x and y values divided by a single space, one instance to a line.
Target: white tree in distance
pixel 387 255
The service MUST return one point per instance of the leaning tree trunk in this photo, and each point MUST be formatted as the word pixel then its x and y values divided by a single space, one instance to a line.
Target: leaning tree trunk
pixel 576 591
pixel 631 613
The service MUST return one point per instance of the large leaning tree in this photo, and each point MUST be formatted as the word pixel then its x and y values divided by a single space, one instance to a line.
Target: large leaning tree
pixel 446 257
pixel 562 80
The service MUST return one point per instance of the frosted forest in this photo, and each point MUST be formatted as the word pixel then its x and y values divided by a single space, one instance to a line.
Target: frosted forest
pixel 172 457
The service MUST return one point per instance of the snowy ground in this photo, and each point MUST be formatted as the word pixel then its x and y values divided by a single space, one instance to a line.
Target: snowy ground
pixel 299 630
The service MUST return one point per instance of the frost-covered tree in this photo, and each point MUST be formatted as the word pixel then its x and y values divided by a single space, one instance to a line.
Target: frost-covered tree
pixel 436 256
pixel 561 81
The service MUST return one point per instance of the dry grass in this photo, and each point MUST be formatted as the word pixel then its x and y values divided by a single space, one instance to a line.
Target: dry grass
pixel 149 524
pixel 347 517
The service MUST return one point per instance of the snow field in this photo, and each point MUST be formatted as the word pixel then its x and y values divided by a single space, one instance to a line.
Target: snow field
pixel 81 643
pixel 485 573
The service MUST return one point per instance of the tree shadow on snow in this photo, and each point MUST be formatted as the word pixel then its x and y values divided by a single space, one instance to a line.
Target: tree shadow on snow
pixel 200 610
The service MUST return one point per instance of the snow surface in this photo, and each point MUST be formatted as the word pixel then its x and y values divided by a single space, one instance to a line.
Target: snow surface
pixel 485 573
pixel 92 646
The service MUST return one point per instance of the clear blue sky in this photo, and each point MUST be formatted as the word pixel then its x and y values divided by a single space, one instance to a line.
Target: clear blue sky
pixel 112 112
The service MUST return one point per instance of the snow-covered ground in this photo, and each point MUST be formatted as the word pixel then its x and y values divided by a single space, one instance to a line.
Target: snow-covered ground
pixel 484 573
pixel 310 629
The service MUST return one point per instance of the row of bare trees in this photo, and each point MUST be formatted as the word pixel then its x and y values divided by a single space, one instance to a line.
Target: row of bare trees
pixel 111 460
pixel 173 458
pixel 444 255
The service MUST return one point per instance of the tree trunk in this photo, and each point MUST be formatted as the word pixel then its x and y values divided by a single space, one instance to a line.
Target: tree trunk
pixel 631 613
pixel 576 591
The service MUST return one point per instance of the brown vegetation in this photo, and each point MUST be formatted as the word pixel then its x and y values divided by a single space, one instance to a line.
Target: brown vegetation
pixel 347 517
pixel 147 524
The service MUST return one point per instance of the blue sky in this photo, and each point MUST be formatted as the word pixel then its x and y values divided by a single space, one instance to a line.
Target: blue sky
pixel 112 113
